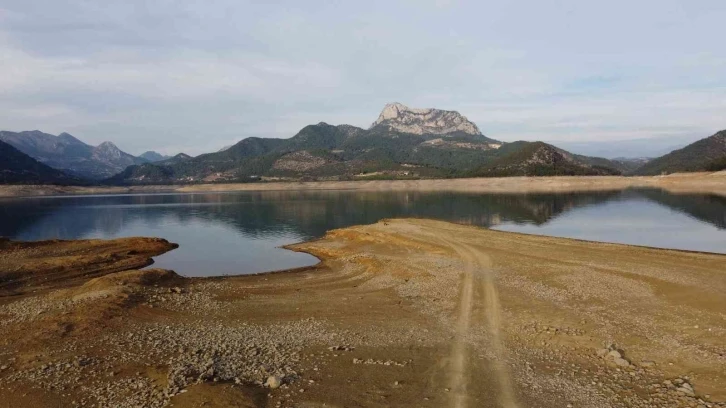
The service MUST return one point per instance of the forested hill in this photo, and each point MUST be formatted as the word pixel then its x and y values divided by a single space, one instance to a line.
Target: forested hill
pixel 327 152
pixel 707 154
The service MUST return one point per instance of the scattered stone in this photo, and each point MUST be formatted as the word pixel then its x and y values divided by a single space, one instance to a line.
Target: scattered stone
pixel 273 382
pixel 341 348
pixel 621 362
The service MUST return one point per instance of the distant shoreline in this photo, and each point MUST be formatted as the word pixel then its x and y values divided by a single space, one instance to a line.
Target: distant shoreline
pixel 682 183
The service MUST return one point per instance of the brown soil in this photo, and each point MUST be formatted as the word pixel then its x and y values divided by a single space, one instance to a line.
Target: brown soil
pixel 707 183
pixel 32 266
pixel 411 313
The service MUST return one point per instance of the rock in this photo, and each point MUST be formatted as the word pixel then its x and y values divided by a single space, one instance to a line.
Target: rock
pixel 424 121
pixel 273 382
pixel 602 352
pixel 621 362
pixel 615 354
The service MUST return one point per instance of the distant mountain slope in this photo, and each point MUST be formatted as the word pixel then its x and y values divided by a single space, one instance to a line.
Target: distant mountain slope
pixel 703 155
pixel 153 156
pixel 542 159
pixel 175 159
pixel 65 152
pixel 17 167
pixel 628 148
pixel 433 143
pixel 157 172
pixel 630 164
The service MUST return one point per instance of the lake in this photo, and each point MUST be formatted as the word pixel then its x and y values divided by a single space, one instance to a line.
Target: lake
pixel 241 232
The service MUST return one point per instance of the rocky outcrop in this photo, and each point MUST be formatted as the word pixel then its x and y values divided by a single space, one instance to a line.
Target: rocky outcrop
pixel 424 121
pixel 300 161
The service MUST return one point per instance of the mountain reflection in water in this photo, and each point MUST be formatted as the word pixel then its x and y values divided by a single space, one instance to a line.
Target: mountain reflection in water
pixel 232 233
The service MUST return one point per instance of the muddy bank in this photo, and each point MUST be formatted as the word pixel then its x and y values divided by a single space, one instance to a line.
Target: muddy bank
pixel 411 313
pixel 706 183
pixel 43 265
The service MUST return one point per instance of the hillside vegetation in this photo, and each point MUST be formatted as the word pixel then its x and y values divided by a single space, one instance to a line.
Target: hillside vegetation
pixel 345 152
pixel 403 143
pixel 542 159
pixel 706 154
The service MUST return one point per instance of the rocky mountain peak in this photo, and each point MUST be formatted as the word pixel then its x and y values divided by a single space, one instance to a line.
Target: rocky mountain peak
pixel 418 121
pixel 108 146
pixel 107 151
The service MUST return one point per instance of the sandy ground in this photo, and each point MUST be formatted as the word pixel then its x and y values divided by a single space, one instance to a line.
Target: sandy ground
pixel 709 183
pixel 405 313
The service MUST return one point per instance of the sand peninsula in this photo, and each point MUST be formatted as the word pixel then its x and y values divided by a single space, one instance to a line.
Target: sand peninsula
pixel 405 313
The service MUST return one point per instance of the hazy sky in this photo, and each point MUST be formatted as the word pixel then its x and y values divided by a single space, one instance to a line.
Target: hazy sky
pixel 194 76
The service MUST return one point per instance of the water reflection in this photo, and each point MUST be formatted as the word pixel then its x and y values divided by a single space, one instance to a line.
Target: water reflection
pixel 239 232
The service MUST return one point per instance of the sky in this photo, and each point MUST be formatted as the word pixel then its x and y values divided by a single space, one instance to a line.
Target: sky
pixel 195 76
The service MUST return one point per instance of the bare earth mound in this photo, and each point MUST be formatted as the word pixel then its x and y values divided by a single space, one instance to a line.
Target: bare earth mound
pixel 30 266
pixel 412 313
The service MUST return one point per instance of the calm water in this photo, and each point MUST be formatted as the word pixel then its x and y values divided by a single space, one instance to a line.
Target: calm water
pixel 237 233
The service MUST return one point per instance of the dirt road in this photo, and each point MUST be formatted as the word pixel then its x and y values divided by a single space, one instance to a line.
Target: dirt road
pixel 477 273
pixel 404 313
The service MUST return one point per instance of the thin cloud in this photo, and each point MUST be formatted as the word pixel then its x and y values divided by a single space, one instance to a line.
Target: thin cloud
pixel 194 76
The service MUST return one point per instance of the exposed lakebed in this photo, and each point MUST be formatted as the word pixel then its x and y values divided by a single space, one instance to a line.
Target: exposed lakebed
pixel 241 232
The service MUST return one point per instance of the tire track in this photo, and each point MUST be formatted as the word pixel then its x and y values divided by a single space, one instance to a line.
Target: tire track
pixel 477 271
pixel 458 369
pixel 494 323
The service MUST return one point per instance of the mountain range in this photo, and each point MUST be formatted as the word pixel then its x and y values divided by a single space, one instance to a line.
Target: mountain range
pixel 402 142
pixel 17 167
pixel 65 152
